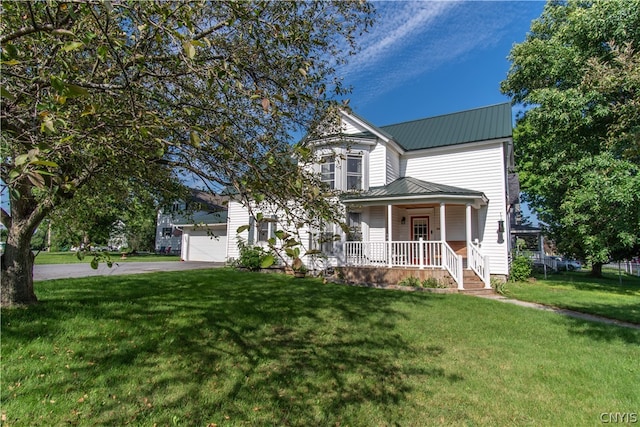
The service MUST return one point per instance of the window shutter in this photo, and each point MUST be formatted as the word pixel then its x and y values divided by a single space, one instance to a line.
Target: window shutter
pixel 252 229
pixel 274 224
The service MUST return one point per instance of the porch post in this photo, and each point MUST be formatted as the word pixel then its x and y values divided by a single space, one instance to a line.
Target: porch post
pixel 443 225
pixel 468 233
pixel 389 234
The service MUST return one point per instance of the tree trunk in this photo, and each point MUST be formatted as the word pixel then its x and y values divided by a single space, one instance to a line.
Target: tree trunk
pixel 596 269
pixel 17 269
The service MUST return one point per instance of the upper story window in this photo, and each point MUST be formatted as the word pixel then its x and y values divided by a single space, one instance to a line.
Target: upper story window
pixel 354 172
pixel 328 171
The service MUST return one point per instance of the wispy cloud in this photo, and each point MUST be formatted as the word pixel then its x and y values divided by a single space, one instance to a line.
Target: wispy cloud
pixel 398 23
pixel 412 38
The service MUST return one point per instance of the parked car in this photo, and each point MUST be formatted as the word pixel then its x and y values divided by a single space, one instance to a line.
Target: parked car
pixel 567 264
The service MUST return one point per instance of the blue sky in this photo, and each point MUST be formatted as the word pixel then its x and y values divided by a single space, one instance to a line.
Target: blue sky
pixel 427 58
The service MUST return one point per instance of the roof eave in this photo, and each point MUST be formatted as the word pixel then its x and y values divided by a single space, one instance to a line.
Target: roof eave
pixel 342 139
pixel 476 200
pixel 374 129
pixel 215 224
pixel 420 151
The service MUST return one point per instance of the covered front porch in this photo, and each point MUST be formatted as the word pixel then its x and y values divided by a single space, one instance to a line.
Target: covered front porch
pixel 415 225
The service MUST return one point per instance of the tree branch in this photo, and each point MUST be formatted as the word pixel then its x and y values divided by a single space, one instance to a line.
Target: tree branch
pixel 24 31
pixel 5 218
pixel 210 30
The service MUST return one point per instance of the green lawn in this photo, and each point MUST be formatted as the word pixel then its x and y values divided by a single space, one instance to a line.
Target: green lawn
pixel 72 258
pixel 577 291
pixel 220 347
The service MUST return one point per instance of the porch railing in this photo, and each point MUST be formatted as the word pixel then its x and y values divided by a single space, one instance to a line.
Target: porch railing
pixel 416 254
pixel 478 263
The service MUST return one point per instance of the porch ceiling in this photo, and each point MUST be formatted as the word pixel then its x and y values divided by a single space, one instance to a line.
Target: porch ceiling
pixel 413 191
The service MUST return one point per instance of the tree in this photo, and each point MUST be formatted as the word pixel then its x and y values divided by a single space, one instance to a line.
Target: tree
pixel 101 90
pixel 578 141
pixel 129 207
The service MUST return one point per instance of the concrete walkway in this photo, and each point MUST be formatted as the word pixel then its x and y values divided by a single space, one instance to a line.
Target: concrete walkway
pixel 562 311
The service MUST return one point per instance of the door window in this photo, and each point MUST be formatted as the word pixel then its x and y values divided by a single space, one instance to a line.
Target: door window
pixel 420 228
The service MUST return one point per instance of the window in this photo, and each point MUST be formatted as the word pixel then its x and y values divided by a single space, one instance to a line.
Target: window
pixel 323 238
pixel 354 172
pixel 262 231
pixel 328 171
pixel 167 232
pixel 354 222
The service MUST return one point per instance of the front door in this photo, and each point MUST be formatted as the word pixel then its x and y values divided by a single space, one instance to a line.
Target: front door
pixel 420 230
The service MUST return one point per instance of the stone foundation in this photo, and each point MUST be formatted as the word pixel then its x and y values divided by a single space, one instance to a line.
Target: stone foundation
pixel 391 276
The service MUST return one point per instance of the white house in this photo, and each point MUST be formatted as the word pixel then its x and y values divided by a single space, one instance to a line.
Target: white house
pixel 429 196
pixel 197 229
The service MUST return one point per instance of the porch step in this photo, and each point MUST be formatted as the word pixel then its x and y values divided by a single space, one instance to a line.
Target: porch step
pixel 474 285
pixel 477 291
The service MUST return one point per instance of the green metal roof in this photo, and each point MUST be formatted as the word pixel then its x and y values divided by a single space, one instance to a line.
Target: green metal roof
pixel 407 186
pixel 479 124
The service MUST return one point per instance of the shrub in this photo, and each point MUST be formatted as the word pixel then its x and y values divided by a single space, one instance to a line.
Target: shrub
pixel 409 281
pixel 252 257
pixel 520 269
pixel 432 282
pixel 498 285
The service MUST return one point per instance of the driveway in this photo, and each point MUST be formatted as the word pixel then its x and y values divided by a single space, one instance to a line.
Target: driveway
pixel 66 271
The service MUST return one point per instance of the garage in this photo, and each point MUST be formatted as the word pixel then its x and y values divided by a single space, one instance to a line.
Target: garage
pixel 204 243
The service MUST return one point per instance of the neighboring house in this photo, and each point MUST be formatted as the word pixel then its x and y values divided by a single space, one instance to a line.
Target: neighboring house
pixel 196 230
pixel 118 236
pixel 427 197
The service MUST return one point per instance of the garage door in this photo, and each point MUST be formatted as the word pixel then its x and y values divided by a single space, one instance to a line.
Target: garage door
pixel 198 245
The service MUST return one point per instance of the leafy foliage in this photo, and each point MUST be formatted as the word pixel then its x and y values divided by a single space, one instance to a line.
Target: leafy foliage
pixel 499 286
pixel 578 142
pixel 143 92
pixel 254 258
pixel 432 282
pixel 521 269
pixel 410 281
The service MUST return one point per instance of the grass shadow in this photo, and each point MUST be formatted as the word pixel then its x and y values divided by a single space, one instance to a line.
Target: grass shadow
pixel 265 349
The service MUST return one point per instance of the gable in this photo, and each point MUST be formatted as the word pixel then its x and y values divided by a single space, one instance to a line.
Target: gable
pixel 352 127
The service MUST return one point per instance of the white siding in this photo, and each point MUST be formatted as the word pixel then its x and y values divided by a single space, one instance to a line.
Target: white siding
pixel 400 232
pixel 474 167
pixel 349 127
pixel 377 220
pixel 456 222
pixel 238 216
pixel 377 168
pixel 392 166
